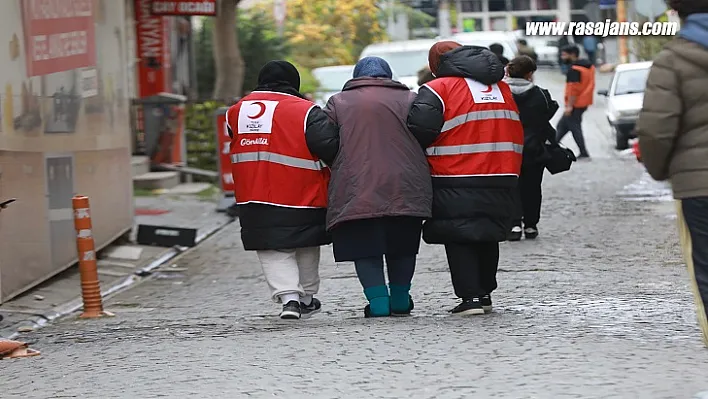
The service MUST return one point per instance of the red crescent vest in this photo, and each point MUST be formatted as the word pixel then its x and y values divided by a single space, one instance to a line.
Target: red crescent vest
pixel 482 134
pixel 270 161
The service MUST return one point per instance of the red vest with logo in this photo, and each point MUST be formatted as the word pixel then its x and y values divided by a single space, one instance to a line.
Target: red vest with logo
pixel 482 134
pixel 271 163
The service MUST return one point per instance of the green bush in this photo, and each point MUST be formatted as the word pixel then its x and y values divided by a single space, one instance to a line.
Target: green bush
pixel 200 131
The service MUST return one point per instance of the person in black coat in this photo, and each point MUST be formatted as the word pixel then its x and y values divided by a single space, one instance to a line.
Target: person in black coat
pixel 498 50
pixel 536 108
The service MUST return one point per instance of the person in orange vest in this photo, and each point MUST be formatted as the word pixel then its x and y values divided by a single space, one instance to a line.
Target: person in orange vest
pixel 469 125
pixel 280 187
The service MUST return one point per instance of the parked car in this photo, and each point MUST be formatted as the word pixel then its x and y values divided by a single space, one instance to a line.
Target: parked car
pixel 406 58
pixel 625 98
pixel 332 80
pixel 487 38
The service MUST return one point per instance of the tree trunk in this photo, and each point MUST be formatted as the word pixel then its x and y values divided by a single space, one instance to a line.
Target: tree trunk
pixel 228 61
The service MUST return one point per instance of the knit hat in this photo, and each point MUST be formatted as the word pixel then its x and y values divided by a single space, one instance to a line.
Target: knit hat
pixel 437 51
pixel 373 67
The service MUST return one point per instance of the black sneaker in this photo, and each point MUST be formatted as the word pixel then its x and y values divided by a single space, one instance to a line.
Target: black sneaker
pixel 291 311
pixel 486 303
pixel 469 307
pixel 530 232
pixel 515 234
pixel 308 310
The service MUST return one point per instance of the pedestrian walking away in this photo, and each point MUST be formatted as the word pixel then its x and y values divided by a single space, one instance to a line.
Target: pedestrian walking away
pixel 281 191
pixel 590 43
pixel 380 190
pixel 467 121
pixel 579 92
pixel 673 138
pixel 536 108
pixel 498 50
pixel 525 49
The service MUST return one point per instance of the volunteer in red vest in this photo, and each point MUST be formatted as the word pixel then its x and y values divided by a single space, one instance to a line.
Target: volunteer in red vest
pixel 281 188
pixel 468 123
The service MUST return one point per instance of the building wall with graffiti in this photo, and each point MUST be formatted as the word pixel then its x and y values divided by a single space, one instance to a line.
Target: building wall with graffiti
pixel 64 129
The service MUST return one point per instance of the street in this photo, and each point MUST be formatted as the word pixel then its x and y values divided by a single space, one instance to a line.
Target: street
pixel 598 307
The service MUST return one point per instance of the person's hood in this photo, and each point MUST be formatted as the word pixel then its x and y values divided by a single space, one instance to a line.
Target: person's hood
pixel 518 86
pixel 367 81
pixel 695 29
pixel 476 63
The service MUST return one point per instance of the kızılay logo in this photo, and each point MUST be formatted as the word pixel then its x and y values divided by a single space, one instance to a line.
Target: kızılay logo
pixel 254 124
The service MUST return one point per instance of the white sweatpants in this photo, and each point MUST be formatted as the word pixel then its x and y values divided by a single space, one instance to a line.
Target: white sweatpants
pixel 291 271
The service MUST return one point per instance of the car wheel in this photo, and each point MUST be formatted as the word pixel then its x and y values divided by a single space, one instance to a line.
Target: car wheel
pixel 622 140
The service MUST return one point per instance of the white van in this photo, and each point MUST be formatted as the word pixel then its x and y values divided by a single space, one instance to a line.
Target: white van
pixel 406 58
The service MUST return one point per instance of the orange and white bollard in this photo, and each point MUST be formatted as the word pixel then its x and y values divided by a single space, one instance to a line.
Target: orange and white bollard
pixel 88 269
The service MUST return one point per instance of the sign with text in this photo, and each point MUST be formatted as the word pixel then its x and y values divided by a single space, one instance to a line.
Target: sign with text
pixel 153 48
pixel 224 147
pixel 59 35
pixel 205 8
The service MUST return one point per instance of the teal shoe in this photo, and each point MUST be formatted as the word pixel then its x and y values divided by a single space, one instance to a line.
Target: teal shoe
pixel 401 301
pixel 379 302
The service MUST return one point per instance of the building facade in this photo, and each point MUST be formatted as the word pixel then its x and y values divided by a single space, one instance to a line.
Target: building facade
pixel 63 130
pixel 504 15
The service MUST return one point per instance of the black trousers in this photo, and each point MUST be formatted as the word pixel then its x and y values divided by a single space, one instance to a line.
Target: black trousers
pixel 573 123
pixel 529 196
pixel 473 268
pixel 693 224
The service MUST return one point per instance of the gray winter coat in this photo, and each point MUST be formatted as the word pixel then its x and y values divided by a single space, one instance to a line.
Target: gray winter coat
pixel 378 167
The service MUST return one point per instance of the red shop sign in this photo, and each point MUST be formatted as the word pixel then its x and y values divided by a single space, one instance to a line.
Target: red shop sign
pixel 59 35
pixel 223 140
pixel 184 7
pixel 153 50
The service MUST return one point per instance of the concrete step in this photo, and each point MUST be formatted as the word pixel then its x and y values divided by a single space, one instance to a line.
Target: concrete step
pixel 156 180
pixel 140 164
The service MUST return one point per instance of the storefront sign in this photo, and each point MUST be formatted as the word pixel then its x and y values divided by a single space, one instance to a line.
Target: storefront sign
pixel 153 47
pixel 224 147
pixel 184 7
pixel 59 35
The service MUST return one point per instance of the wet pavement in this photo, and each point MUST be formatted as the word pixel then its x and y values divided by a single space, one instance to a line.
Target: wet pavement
pixel 598 307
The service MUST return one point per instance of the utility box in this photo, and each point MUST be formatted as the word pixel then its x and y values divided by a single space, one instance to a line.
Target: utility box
pixel 158 128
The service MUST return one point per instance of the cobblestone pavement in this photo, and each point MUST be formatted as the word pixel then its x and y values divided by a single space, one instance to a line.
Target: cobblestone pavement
pixel 598 307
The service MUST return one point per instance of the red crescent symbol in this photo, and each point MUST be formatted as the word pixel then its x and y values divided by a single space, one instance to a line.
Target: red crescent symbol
pixel 489 89
pixel 259 113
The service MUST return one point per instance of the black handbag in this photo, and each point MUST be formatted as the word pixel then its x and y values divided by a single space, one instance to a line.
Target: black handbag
pixel 560 159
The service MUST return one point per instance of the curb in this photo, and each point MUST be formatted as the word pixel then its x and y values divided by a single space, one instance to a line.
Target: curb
pixel 60 311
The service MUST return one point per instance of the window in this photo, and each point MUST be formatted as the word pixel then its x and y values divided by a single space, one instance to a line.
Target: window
pixel 497 5
pixel 520 5
pixel 578 4
pixel 631 82
pixel 332 79
pixel 547 4
pixel 471 6
pixel 499 24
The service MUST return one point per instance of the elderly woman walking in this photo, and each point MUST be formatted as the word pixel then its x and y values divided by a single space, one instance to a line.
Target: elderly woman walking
pixel 380 190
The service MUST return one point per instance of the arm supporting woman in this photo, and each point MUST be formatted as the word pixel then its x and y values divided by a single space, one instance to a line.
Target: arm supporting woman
pixel 322 136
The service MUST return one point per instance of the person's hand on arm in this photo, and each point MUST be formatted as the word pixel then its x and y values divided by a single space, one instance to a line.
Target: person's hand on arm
pixel 322 134
pixel 659 121
pixel 425 118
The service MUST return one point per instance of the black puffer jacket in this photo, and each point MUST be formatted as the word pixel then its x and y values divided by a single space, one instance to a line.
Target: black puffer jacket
pixel 465 209
pixel 536 108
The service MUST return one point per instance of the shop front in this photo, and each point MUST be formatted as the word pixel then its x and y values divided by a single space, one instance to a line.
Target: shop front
pixel 64 130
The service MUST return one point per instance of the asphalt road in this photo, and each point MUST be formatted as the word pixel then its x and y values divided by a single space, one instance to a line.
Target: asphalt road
pixel 598 307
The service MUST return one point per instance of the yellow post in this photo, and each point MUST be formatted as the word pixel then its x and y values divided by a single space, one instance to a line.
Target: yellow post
pixel 622 40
